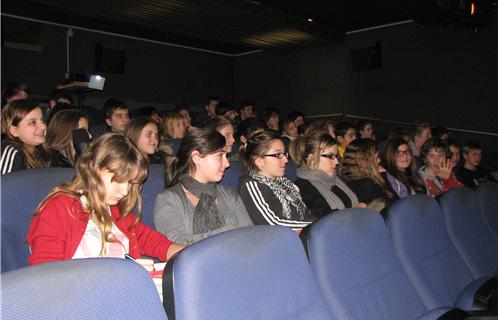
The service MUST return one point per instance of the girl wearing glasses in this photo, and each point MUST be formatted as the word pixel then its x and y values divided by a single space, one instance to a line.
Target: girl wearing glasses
pixel 402 172
pixel 322 191
pixel 271 198
pixel 194 206
pixel 437 172
pixel 360 169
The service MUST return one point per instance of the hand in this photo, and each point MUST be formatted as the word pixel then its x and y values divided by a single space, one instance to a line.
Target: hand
pixel 173 249
pixel 444 170
pixel 361 205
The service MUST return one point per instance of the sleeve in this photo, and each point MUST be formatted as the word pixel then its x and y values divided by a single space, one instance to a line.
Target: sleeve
pixel 48 233
pixel 451 182
pixel 151 242
pixel 168 218
pixel 261 210
pixel 240 210
pixel 313 200
pixel 11 160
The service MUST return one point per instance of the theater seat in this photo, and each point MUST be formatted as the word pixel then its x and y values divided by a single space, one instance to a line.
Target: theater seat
pixel 97 130
pixel 357 271
pixel 290 170
pixel 101 288
pixel 422 245
pixel 468 231
pixel 258 272
pixel 150 189
pixel 232 175
pixel 487 196
pixel 22 192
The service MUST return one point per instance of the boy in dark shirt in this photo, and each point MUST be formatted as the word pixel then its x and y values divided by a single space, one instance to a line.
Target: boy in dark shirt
pixel 471 174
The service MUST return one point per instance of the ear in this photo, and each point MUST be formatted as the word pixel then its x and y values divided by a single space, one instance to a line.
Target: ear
pixel 340 139
pixel 108 121
pixel 259 162
pixel 196 157
pixel 14 131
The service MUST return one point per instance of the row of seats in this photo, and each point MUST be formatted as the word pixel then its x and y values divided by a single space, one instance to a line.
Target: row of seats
pixel 351 267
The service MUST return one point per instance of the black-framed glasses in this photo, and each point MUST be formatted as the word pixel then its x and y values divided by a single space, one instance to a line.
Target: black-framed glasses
pixel 278 155
pixel 331 156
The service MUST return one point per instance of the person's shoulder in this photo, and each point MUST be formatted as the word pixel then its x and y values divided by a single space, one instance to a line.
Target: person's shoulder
pixel 171 193
pixel 227 191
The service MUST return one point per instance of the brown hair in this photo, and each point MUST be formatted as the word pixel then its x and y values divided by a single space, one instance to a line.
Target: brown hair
pixel 257 146
pixel 60 132
pixel 12 114
pixel 320 126
pixel 306 149
pixel 170 121
pixel 135 127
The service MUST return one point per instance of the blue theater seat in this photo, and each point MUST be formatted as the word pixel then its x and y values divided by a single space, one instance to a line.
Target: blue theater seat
pixel 431 261
pixel 357 271
pixel 97 130
pixel 290 170
pixel 150 189
pixel 487 195
pixel 22 192
pixel 258 272
pixel 232 174
pixel 102 288
pixel 468 231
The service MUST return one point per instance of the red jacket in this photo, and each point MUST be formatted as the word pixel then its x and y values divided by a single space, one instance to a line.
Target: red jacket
pixel 57 229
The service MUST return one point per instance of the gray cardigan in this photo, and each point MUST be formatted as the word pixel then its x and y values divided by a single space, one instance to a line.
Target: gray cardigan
pixel 174 213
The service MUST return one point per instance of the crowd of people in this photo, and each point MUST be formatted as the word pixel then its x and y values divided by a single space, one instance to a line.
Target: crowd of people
pixel 339 165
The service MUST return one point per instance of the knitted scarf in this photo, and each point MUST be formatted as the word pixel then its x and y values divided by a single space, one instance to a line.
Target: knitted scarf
pixel 286 192
pixel 206 214
pixel 324 183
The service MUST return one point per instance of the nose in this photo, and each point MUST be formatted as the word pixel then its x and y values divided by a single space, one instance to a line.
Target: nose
pixel 225 162
pixel 124 188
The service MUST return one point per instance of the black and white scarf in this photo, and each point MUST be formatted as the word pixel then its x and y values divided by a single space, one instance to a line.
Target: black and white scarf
pixel 286 192
pixel 206 215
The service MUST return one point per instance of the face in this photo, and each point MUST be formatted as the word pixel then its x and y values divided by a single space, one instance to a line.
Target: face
pixel 187 120
pixel 148 139
pixel 156 118
pixel 473 157
pixel 232 114
pixel 299 121
pixel 211 107
pixel 227 132
pixel 455 155
pixel 403 157
pixel 31 129
pixel 292 130
pixel 179 130
pixel 246 112
pixel 435 158
pixel 348 137
pixel 424 136
pixel 119 120
pixel 328 160
pixel 114 191
pixel 211 167
pixel 367 131
pixel 274 121
pixel 272 167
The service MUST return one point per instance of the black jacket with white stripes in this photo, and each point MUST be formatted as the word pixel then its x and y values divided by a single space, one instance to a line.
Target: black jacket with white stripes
pixel 13 159
pixel 265 208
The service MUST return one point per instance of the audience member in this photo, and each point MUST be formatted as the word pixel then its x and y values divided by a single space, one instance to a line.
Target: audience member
pixel 116 115
pixel 402 172
pixel 246 110
pixel 209 111
pixel 67 133
pixel 173 126
pixel 361 171
pixel 420 134
pixel 224 126
pixel 144 132
pixel 365 129
pixel 400 132
pixel 24 145
pixel 297 117
pixel 471 174
pixel 272 119
pixel 151 113
pixel 455 151
pixel 437 172
pixel 14 91
pixel 321 126
pixel 55 97
pixel 289 131
pixel 194 206
pixel 345 132
pixel 225 109
pixel 316 157
pixel 183 109
pixel 271 198
pixel 91 216
pixel 440 133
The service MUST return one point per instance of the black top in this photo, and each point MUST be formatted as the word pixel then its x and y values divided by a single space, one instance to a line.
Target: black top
pixel 315 201
pixel 13 159
pixel 368 191
pixel 58 160
pixel 473 178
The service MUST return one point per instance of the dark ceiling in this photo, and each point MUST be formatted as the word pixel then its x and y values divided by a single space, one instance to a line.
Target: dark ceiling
pixel 238 26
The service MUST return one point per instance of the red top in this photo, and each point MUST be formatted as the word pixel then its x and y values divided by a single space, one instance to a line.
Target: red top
pixel 57 230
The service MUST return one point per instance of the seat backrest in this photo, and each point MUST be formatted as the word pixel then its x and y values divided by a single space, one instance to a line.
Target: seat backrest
pixel 174 144
pixel 290 170
pixel 469 233
pixel 356 269
pixel 258 272
pixel 97 130
pixel 151 188
pixel 99 288
pixel 232 174
pixel 422 245
pixel 487 196
pixel 22 192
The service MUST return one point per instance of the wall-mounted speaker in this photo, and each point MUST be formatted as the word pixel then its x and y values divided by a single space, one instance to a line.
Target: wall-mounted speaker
pixel 109 60
pixel 367 58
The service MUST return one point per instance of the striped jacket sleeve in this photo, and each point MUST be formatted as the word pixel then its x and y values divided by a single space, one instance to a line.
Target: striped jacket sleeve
pixel 11 160
pixel 262 207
